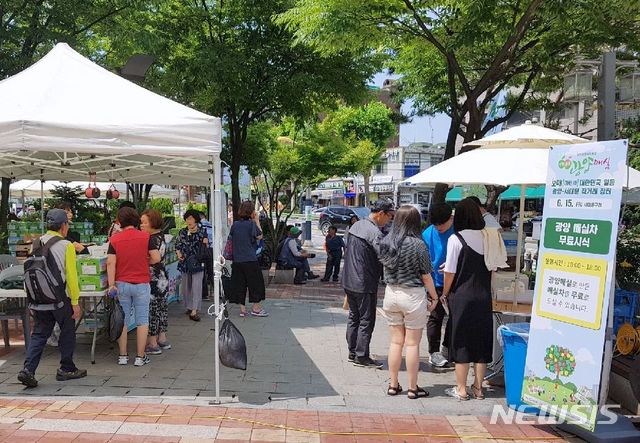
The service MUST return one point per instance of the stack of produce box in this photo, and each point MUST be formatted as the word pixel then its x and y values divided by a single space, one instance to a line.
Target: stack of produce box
pixel 92 273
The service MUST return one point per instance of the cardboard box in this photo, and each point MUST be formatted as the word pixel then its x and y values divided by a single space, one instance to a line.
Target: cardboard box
pixel 92 265
pixel 23 249
pixel 92 282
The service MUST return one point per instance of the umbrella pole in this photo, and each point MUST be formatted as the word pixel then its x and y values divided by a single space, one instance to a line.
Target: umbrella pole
pixel 216 220
pixel 42 206
pixel 523 189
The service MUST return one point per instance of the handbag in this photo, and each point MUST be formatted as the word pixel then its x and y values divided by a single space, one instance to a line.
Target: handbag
pixel 228 249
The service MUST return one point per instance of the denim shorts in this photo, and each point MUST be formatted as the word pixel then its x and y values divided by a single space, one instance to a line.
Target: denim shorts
pixel 138 296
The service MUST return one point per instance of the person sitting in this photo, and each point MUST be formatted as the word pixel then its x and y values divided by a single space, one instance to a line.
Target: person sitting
pixel 293 256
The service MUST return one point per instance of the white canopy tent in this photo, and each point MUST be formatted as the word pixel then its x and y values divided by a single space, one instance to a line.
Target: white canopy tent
pixel 65 117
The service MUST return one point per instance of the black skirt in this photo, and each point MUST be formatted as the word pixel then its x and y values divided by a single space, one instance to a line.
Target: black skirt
pixel 470 308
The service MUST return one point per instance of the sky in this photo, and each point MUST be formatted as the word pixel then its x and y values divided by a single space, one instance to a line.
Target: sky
pixel 420 129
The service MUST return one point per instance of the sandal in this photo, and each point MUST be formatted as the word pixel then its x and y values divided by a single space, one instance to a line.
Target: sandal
pixel 416 393
pixel 195 317
pixel 475 389
pixel 394 391
pixel 453 392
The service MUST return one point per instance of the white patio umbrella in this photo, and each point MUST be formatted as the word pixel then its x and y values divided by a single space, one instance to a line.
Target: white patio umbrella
pixel 516 156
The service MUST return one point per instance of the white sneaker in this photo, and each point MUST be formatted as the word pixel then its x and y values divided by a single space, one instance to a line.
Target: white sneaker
pixel 123 359
pixel 141 361
pixel 437 359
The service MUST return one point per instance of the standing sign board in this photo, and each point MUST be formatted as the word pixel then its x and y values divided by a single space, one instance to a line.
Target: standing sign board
pixel 573 285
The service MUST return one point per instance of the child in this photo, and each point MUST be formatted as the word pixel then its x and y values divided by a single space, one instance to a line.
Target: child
pixel 334 246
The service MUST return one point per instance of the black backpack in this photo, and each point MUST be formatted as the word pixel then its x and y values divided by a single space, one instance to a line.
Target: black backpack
pixel 43 280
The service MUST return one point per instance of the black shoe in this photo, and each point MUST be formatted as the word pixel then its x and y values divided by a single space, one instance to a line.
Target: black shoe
pixel 64 375
pixel 336 279
pixel 299 282
pixel 311 276
pixel 352 358
pixel 27 378
pixel 367 362
pixel 324 279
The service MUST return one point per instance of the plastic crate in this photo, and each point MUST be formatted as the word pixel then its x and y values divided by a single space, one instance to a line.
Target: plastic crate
pixel 625 303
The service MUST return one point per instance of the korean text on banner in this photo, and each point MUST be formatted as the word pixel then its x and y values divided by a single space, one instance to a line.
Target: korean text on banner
pixel 573 284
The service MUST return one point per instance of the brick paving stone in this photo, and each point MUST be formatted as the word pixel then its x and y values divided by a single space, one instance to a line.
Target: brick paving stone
pixel 58 437
pixel 241 415
pixel 89 437
pixel 225 433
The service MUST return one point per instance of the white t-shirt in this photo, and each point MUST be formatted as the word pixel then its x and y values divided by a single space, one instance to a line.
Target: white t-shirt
pixel 490 221
pixel 475 241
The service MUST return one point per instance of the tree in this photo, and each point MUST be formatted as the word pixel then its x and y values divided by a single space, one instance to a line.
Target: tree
pixel 231 59
pixel 367 130
pixel 456 56
pixel 139 194
pixel 286 159
pixel 559 361
pixel 29 28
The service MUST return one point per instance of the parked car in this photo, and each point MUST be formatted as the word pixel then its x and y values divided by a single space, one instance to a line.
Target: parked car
pixel 318 211
pixel 339 217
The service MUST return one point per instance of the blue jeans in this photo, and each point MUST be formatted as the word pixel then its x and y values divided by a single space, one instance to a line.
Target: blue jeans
pixel 136 295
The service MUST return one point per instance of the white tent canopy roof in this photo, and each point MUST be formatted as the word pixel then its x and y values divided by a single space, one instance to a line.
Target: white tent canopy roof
pixel 66 116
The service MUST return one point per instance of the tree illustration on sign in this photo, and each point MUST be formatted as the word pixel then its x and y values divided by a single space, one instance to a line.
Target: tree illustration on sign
pixel 559 361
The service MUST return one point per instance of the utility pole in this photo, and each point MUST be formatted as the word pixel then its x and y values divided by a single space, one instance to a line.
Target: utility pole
pixel 607 98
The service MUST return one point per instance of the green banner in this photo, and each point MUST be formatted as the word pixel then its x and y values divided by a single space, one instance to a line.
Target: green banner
pixel 568 234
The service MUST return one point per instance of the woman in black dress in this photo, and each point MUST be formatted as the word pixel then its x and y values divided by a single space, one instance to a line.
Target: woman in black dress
pixel 467 288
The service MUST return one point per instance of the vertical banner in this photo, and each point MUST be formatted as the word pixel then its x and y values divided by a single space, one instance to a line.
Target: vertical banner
pixel 576 267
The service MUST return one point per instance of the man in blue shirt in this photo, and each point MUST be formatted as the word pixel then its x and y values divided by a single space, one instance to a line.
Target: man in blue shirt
pixel 436 237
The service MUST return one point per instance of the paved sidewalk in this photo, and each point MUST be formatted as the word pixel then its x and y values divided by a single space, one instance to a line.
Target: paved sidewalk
pixel 66 421
pixel 297 360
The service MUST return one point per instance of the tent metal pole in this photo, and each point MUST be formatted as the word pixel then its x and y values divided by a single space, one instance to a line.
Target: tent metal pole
pixel 216 219
pixel 523 190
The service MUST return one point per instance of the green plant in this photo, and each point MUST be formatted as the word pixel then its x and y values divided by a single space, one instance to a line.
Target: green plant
pixel 628 258
pixel 202 207
pixel 164 205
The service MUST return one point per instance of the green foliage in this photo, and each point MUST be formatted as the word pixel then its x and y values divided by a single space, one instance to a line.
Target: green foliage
pixel 373 122
pixel 456 56
pixel 202 207
pixel 163 205
pixel 628 258
pixel 231 59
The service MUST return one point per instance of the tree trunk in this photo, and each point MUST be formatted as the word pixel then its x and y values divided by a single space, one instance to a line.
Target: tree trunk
pixel 493 192
pixel 441 189
pixel 366 189
pixel 440 192
pixel 4 212
pixel 235 186
pixel 139 194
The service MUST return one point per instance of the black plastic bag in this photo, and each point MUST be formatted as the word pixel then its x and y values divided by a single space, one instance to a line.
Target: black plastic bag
pixel 233 350
pixel 116 321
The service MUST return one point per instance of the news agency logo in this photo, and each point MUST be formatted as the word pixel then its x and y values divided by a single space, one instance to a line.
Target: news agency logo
pixel 551 415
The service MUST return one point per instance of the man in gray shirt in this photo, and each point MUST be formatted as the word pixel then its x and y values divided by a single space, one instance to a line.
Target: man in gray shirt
pixel 360 279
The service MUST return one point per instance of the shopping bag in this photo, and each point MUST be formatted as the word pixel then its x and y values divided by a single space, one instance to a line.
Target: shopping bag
pixel 228 249
pixel 116 321
pixel 233 350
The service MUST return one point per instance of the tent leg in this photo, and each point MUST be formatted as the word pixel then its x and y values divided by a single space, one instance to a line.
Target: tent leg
pixel 216 220
pixel 523 190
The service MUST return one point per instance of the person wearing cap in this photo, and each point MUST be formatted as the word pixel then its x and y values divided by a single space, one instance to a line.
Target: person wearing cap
pixel 294 256
pixel 360 278
pixel 47 316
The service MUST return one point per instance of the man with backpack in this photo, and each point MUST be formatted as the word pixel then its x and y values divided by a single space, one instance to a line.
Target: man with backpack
pixel 51 284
